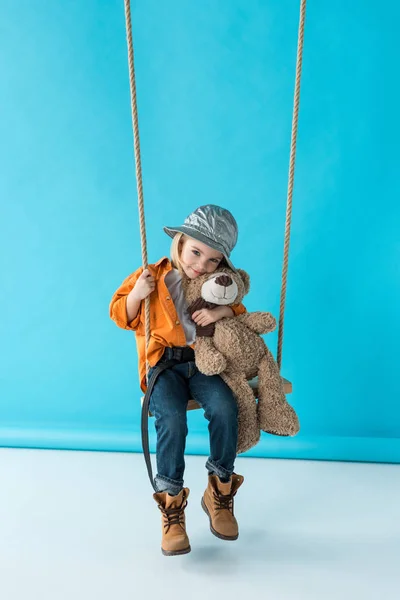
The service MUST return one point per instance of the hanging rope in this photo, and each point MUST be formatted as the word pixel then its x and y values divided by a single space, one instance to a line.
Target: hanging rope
pixel 135 126
pixel 291 178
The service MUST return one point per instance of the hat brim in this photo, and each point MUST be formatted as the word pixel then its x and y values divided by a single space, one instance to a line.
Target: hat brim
pixel 197 235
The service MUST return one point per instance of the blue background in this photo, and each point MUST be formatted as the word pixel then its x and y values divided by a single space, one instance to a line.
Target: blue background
pixel 215 91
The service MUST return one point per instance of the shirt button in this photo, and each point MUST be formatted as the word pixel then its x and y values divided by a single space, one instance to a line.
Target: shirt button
pixel 168 298
pixel 177 322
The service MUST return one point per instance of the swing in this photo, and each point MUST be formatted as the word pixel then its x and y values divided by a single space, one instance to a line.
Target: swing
pixel 287 386
pixel 192 404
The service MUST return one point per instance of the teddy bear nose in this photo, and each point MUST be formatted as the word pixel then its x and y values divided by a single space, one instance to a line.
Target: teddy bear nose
pixel 224 280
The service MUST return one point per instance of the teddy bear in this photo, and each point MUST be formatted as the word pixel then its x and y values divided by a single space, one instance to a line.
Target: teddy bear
pixel 234 349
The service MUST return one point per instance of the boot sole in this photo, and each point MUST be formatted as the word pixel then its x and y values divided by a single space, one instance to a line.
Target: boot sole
pixel 227 538
pixel 176 552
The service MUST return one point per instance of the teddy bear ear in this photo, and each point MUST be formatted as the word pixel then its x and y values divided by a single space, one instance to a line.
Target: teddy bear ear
pixel 245 278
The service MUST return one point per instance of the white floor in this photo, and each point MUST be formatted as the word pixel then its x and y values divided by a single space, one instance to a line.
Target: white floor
pixel 83 526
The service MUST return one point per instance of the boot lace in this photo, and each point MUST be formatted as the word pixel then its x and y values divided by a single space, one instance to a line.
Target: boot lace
pixel 173 516
pixel 223 502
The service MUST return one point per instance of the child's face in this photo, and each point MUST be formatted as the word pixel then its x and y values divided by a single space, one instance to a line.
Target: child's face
pixel 197 258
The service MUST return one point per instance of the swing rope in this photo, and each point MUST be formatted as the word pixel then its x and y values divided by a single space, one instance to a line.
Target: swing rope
pixel 292 162
pixel 138 162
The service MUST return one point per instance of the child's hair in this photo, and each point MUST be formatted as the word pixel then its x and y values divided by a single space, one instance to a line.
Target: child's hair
pixel 175 253
pixel 176 263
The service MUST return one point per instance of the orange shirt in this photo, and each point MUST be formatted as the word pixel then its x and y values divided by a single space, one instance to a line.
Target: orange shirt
pixel 166 330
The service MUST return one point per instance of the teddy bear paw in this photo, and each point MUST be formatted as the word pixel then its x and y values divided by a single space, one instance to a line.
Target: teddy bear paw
pixel 211 363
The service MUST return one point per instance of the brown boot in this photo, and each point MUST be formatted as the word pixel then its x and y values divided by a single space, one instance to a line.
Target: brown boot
pixel 174 538
pixel 217 502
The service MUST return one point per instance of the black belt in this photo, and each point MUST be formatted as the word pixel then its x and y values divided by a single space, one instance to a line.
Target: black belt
pixel 170 358
pixel 181 354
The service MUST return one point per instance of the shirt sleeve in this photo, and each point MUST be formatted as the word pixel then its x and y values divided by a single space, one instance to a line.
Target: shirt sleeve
pixel 238 309
pixel 118 303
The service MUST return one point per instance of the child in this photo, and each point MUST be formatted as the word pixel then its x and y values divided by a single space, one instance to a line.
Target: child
pixel 199 246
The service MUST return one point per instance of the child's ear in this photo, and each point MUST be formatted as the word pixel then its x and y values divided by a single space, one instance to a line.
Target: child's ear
pixel 246 280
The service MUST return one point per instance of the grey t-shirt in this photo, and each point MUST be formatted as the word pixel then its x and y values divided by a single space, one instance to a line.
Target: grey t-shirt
pixel 173 281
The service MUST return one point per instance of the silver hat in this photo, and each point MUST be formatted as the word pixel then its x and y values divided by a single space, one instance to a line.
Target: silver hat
pixel 212 225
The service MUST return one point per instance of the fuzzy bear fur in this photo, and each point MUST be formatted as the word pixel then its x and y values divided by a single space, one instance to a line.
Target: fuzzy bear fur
pixel 234 349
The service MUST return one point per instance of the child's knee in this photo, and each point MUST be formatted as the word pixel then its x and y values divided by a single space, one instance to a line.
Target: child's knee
pixel 224 408
pixel 172 422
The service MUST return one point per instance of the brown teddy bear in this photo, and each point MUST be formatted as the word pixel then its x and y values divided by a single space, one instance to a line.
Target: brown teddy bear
pixel 234 349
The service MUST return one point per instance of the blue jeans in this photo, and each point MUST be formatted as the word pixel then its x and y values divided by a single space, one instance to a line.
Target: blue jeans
pixel 168 403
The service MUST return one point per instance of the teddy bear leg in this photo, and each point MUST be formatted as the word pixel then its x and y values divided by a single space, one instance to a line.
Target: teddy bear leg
pixel 248 427
pixel 275 415
pixel 208 359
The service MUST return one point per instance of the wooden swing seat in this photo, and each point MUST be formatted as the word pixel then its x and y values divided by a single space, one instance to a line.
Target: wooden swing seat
pixel 192 404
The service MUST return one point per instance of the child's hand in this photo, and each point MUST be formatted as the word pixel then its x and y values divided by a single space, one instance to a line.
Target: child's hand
pixel 144 286
pixel 205 316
